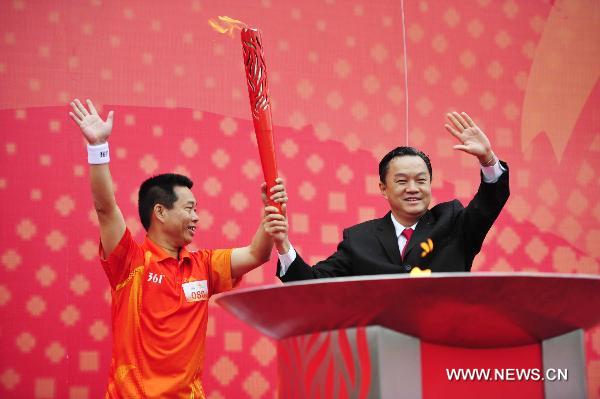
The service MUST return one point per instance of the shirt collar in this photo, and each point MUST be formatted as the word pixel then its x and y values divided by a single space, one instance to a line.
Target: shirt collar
pixel 159 253
pixel 399 228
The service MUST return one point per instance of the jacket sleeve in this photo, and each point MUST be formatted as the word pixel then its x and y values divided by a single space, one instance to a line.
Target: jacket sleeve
pixel 339 264
pixel 483 210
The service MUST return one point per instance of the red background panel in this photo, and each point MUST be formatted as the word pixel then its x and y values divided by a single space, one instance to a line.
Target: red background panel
pixel 527 72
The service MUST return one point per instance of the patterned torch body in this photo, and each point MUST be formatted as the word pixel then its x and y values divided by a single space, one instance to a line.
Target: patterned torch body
pixel 260 103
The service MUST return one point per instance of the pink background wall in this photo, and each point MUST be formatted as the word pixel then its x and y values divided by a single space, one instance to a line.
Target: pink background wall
pixel 526 71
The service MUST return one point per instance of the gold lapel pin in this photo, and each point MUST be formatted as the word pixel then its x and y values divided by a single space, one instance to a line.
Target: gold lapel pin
pixel 427 247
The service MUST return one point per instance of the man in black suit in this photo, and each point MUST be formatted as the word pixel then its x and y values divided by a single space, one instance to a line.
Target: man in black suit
pixel 446 237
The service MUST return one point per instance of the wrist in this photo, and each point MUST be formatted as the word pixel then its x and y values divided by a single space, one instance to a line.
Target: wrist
pixel 488 159
pixel 283 247
pixel 98 154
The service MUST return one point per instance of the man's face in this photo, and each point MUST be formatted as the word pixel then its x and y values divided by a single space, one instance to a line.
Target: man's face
pixel 180 221
pixel 407 188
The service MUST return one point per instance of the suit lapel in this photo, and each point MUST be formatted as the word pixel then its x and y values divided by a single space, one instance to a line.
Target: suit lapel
pixel 386 234
pixel 422 232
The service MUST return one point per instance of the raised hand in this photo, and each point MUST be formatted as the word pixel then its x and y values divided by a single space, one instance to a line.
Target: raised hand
pixel 473 140
pixel 94 129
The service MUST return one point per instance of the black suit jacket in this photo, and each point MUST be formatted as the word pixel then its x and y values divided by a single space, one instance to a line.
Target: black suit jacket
pixel 371 247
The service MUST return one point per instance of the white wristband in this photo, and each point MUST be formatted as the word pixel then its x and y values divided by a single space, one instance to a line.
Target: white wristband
pixel 98 154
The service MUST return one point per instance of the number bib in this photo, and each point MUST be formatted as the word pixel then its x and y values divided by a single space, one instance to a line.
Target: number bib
pixel 195 291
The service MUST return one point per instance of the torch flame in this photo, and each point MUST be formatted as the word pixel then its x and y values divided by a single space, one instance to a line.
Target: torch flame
pixel 227 25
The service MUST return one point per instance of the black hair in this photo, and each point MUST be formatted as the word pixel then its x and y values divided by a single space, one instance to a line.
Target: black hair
pixel 400 152
pixel 159 189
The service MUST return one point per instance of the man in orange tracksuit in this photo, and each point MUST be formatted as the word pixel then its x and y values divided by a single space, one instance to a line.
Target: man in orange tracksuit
pixel 160 290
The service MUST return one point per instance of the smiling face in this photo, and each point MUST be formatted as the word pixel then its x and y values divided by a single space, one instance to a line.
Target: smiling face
pixel 180 221
pixel 407 188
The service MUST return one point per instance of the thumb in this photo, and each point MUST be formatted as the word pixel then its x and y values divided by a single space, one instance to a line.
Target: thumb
pixel 284 210
pixel 110 117
pixel 461 147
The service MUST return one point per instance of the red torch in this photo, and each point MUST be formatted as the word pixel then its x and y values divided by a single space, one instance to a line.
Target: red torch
pixel 258 91
pixel 260 103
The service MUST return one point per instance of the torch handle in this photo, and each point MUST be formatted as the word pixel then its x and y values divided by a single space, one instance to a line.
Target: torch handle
pixel 266 149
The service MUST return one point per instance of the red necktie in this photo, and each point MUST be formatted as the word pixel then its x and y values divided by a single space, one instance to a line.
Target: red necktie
pixel 406 233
